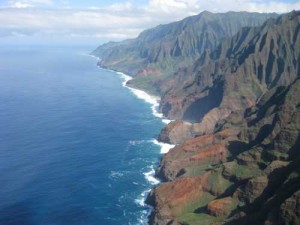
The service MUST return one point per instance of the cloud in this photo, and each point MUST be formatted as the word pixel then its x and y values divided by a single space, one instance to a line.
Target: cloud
pixel 20 5
pixel 117 21
pixel 28 3
pixel 121 6
pixel 168 4
pixel 250 5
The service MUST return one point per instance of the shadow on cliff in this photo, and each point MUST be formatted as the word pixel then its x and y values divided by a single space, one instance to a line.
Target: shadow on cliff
pixel 279 188
pixel 197 110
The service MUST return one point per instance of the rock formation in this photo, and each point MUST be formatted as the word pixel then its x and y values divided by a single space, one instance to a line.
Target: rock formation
pixel 237 109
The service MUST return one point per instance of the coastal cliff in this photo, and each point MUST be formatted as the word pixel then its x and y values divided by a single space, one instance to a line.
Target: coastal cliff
pixel 236 106
pixel 157 53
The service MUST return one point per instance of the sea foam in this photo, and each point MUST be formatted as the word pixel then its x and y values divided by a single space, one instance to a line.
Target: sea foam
pixel 150 176
pixel 125 78
pixel 90 55
pixel 164 147
pixel 153 100
pixel 141 200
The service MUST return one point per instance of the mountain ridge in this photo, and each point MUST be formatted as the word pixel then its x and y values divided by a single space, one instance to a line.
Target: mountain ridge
pixel 239 163
pixel 159 52
pixel 236 108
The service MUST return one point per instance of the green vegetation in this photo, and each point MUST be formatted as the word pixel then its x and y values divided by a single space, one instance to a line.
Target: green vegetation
pixel 198 203
pixel 217 183
pixel 189 215
pixel 241 172
pixel 198 170
pixel 198 219
pixel 146 83
pixel 278 155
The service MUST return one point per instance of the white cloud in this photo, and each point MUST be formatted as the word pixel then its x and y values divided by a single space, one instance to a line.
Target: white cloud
pixel 121 6
pixel 20 5
pixel 28 3
pixel 250 5
pixel 169 4
pixel 117 21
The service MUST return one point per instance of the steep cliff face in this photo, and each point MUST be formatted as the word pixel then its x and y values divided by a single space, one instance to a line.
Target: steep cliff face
pixel 234 94
pixel 243 154
pixel 249 170
pixel 237 74
pixel 159 52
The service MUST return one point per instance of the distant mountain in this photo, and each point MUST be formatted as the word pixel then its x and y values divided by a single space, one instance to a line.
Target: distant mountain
pixel 238 159
pixel 159 52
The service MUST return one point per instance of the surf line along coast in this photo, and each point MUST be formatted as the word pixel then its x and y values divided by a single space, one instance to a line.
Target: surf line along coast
pixel 164 147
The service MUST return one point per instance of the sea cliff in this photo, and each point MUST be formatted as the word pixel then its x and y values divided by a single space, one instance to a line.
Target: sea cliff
pixel 231 83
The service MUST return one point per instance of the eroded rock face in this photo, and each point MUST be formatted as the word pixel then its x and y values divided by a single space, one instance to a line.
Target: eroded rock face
pixel 176 132
pixel 255 188
pixel 245 68
pixel 221 207
pixel 170 199
pixel 205 150
pixel 290 210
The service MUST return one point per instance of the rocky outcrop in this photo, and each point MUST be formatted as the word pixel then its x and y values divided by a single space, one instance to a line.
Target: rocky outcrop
pixel 176 132
pixel 172 199
pixel 196 153
pixel 221 207
pixel 289 212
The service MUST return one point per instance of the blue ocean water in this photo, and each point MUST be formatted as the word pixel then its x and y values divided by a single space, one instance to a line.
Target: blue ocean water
pixel 75 145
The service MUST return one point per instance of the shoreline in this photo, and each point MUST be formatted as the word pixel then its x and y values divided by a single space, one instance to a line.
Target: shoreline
pixel 143 95
pixel 164 147
pixel 154 101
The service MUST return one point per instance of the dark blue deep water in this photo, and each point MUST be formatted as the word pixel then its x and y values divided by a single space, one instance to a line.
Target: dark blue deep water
pixel 74 143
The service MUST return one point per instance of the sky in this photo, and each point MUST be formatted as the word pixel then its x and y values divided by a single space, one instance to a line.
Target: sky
pixel 97 21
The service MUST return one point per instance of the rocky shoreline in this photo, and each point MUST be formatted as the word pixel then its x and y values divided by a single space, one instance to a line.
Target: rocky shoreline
pixel 236 131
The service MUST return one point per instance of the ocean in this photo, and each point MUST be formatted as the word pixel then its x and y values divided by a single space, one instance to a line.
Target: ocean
pixel 77 147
